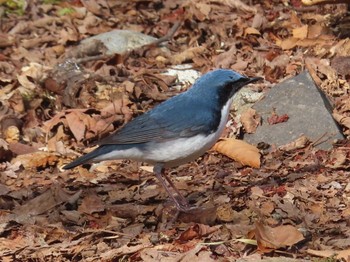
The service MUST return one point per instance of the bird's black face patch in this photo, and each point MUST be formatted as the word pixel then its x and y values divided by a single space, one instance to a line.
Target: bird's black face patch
pixel 224 93
pixel 230 89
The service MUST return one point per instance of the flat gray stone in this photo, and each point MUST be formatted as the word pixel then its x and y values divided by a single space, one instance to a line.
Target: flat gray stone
pixel 120 41
pixel 308 109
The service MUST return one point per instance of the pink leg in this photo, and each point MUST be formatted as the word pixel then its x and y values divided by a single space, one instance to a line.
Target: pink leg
pixel 180 202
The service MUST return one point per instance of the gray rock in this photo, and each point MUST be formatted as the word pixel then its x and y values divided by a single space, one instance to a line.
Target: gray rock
pixel 244 99
pixel 120 41
pixel 185 73
pixel 308 109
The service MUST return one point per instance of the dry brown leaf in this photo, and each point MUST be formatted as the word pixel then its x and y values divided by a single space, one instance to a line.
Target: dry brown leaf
pixel 267 208
pixel 339 254
pixel 239 150
pixel 225 59
pixel 225 213
pixel 316 2
pixel 343 120
pixel 315 31
pixel 251 31
pixel 16 102
pixel 37 159
pixel 342 48
pixel 126 249
pixel 270 238
pixel 21 149
pixel 44 202
pixel 99 7
pixel 12 134
pixel 204 8
pixel 250 120
pixel 238 4
pixel 298 143
pixel 187 55
pixel 288 43
pixel 91 203
pixel 196 231
pixel 32 71
pixel 76 125
pixel 301 32
pixel 337 159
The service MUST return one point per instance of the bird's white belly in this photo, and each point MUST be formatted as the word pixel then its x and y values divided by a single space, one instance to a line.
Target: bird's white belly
pixel 179 151
pixel 183 150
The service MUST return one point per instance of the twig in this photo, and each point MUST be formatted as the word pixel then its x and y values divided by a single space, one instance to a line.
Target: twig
pixel 167 37
pixel 91 58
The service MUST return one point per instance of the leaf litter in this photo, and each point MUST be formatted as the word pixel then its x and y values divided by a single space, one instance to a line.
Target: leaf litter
pixel 54 105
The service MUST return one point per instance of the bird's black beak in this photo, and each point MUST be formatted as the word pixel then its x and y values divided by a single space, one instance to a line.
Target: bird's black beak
pixel 242 82
pixel 252 80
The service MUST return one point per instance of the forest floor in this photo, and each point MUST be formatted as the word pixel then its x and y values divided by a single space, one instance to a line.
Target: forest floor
pixel 55 103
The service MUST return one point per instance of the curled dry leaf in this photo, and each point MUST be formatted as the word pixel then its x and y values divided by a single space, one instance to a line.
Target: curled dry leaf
pixel 196 231
pixel 77 122
pixel 341 119
pixel 91 203
pixel 298 143
pixel 316 2
pixel 240 151
pixel 251 31
pixel 250 120
pixel 239 5
pixel 187 55
pixel 271 238
pixel 11 127
pixel 338 159
pixel 339 254
pixel 36 160
pixel 276 119
pixel 33 71
pixel 12 134
pixel 301 32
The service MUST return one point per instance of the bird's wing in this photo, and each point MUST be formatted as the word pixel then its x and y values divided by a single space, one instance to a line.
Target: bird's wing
pixel 178 117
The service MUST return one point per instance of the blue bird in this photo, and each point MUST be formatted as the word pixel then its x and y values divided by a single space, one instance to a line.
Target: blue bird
pixel 176 131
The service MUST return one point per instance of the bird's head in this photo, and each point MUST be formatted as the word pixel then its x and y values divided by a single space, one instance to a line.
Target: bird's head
pixel 221 84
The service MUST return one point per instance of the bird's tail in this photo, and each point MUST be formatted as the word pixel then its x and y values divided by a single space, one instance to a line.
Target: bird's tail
pixel 86 158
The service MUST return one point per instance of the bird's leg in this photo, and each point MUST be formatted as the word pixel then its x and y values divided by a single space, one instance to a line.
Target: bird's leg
pixel 180 202
pixel 183 200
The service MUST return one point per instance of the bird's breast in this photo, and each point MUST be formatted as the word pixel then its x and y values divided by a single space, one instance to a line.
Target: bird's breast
pixel 178 151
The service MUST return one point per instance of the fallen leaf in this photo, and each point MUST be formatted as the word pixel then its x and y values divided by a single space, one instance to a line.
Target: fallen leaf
pixel 44 202
pixel 239 150
pixel 196 231
pixel 314 2
pixel 37 159
pixel 91 203
pixel 225 213
pixel 187 55
pixel 76 125
pixel 298 143
pixel 338 254
pixel 276 119
pixel 341 119
pixel 250 120
pixel 337 159
pixel 271 238
pixel 251 31
pixel 301 32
